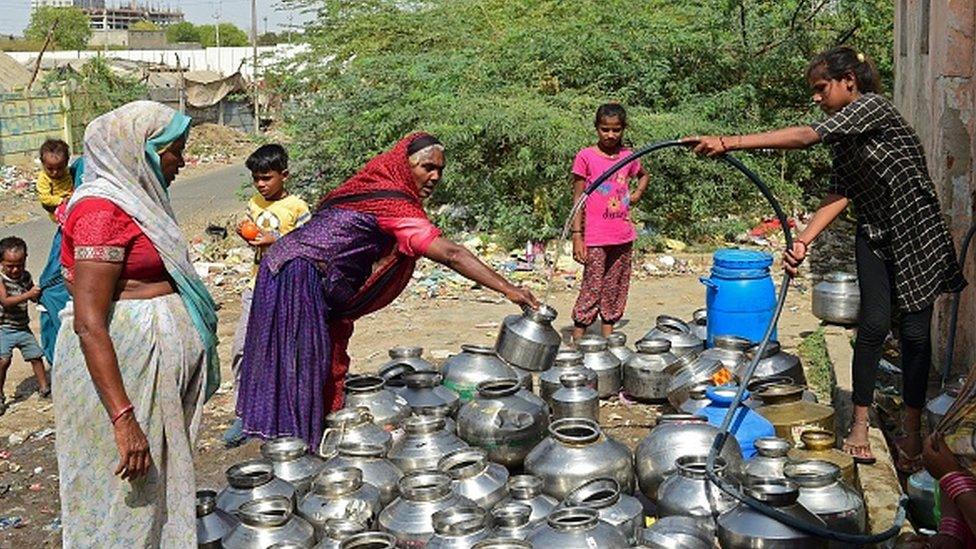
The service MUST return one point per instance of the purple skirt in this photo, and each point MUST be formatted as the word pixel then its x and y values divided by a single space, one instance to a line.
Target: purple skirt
pixel 287 355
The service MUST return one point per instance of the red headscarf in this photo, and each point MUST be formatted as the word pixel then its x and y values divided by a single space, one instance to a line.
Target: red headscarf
pixel 389 171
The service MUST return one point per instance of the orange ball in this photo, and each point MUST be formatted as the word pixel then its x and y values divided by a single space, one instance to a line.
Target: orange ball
pixel 248 230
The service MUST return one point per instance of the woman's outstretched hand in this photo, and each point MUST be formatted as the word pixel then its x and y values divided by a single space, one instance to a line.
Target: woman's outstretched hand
pixel 792 258
pixel 707 145
pixel 939 459
pixel 522 297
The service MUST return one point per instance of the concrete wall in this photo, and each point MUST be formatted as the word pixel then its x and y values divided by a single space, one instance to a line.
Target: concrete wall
pixel 935 88
pixel 223 60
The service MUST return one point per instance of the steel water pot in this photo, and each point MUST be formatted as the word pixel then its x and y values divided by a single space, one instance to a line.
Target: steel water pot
pixel 675 436
pixel 410 517
pixel 759 384
pixel 404 360
pixel 292 463
pixel 783 405
pixel 644 375
pixel 578 451
pixel 577 528
pixel 450 425
pixel 387 408
pixel 458 528
pixel 424 443
pixel 336 531
pixel 771 456
pixel 339 493
pixel 677 331
pixel 505 420
pixel 690 373
pixel 474 364
pixel 250 480
pixel 598 358
pixel 529 340
pixel 351 425
pixel 677 532
pixel 921 499
pixel 825 495
pixel 527 490
pixel 423 392
pixel 697 399
pixel 837 299
pixel 267 521
pixel 774 362
pixel 731 351
pixel 699 324
pixel 575 399
pixel 936 408
pixel 744 527
pixel 370 540
pixel 566 361
pixel 212 523
pixel 502 543
pixel 617 344
pixel 474 477
pixel 689 492
pixel 619 510
pixel 513 520
pixel 821 444
pixel 371 460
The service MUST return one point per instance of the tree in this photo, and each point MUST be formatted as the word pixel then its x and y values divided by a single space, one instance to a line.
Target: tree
pixel 183 31
pixel 270 39
pixel 230 36
pixel 511 88
pixel 73 27
pixel 144 26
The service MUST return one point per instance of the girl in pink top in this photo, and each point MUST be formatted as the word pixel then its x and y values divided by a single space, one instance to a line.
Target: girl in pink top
pixel 603 234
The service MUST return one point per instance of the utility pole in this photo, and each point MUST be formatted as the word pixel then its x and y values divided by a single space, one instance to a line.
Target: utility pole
pixel 216 17
pixel 254 65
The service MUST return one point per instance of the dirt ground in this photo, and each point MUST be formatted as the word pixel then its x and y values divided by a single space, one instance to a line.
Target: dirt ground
pixel 28 468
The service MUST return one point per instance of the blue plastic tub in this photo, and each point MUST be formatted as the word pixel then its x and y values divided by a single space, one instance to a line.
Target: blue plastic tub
pixel 746 426
pixel 739 295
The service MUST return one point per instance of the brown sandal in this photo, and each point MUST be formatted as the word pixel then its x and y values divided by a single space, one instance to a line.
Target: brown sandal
pixel 904 463
pixel 861 453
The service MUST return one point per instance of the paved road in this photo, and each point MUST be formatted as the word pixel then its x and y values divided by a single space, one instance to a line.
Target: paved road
pixel 215 192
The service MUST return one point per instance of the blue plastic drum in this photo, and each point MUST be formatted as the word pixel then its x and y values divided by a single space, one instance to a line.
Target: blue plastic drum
pixel 740 295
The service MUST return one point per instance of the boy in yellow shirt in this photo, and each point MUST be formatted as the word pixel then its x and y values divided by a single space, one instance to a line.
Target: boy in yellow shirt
pixel 272 213
pixel 55 182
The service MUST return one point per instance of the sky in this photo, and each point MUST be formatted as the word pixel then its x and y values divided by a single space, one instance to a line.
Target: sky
pixel 15 14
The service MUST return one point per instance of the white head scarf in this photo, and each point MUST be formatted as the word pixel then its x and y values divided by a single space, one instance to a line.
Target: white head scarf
pixel 122 166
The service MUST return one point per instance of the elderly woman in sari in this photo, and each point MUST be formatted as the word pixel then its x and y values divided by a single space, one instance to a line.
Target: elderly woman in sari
pixel 136 352
pixel 353 257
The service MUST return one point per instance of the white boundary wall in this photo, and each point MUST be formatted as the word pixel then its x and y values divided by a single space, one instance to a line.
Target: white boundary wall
pixel 223 60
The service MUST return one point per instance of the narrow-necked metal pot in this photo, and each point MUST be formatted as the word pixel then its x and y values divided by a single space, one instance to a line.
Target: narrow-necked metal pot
pixel 212 523
pixel 292 463
pixel 617 509
pixel 371 460
pixel 458 527
pixel 268 521
pixel 339 493
pixel 387 408
pixel 527 490
pixel 351 425
pixel 424 443
pixel 250 480
pixel 567 360
pixel 474 477
pixel 505 420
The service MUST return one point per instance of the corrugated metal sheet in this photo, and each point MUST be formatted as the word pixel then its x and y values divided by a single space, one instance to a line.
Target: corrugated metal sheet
pixel 13 75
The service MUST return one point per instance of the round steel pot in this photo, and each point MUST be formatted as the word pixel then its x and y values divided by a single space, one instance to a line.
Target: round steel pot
pixel 775 362
pixel 576 452
pixel 744 527
pixel 505 420
pixel 212 523
pixel 474 477
pixel 527 490
pixel 529 340
pixel 575 399
pixel 677 331
pixel 598 358
pixel 424 443
pixel 338 530
pixel 617 344
pixel 567 361
pixel 371 460
pixel 677 532
pixel 387 408
pixel 699 324
pixel 336 494
pixel 404 360
pixel 621 511
pixel 370 540
pixel 474 364
pixel 644 372
pixel 771 456
pixel 513 520
pixel 266 522
pixel 292 463
pixel 458 528
pixel 676 436
pixel 423 392
pixel 823 494
pixel 837 299
pixel 410 517
pixel 351 425
pixel 251 480
pixel 577 528
pixel 689 493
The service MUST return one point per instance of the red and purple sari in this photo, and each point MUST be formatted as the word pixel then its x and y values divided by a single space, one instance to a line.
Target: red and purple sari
pixel 312 285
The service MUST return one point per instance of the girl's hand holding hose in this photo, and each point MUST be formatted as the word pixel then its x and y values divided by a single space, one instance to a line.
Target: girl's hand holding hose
pixel 793 257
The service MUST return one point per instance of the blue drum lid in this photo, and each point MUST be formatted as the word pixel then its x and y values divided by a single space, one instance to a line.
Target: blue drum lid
pixel 742 259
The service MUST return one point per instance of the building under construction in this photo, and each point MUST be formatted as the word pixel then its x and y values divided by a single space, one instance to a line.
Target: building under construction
pixel 119 17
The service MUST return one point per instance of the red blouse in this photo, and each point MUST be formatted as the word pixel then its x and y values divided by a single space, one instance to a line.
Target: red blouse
pixel 98 230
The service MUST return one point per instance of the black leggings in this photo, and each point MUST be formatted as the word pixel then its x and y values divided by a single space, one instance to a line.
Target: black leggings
pixel 875 277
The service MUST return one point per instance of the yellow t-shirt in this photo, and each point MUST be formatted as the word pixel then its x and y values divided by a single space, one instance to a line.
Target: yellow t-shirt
pixel 51 192
pixel 277 217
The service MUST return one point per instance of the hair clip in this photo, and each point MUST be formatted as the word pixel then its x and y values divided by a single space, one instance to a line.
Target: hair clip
pixel 860 57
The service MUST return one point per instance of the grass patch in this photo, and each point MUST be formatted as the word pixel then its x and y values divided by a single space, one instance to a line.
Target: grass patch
pixel 819 370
